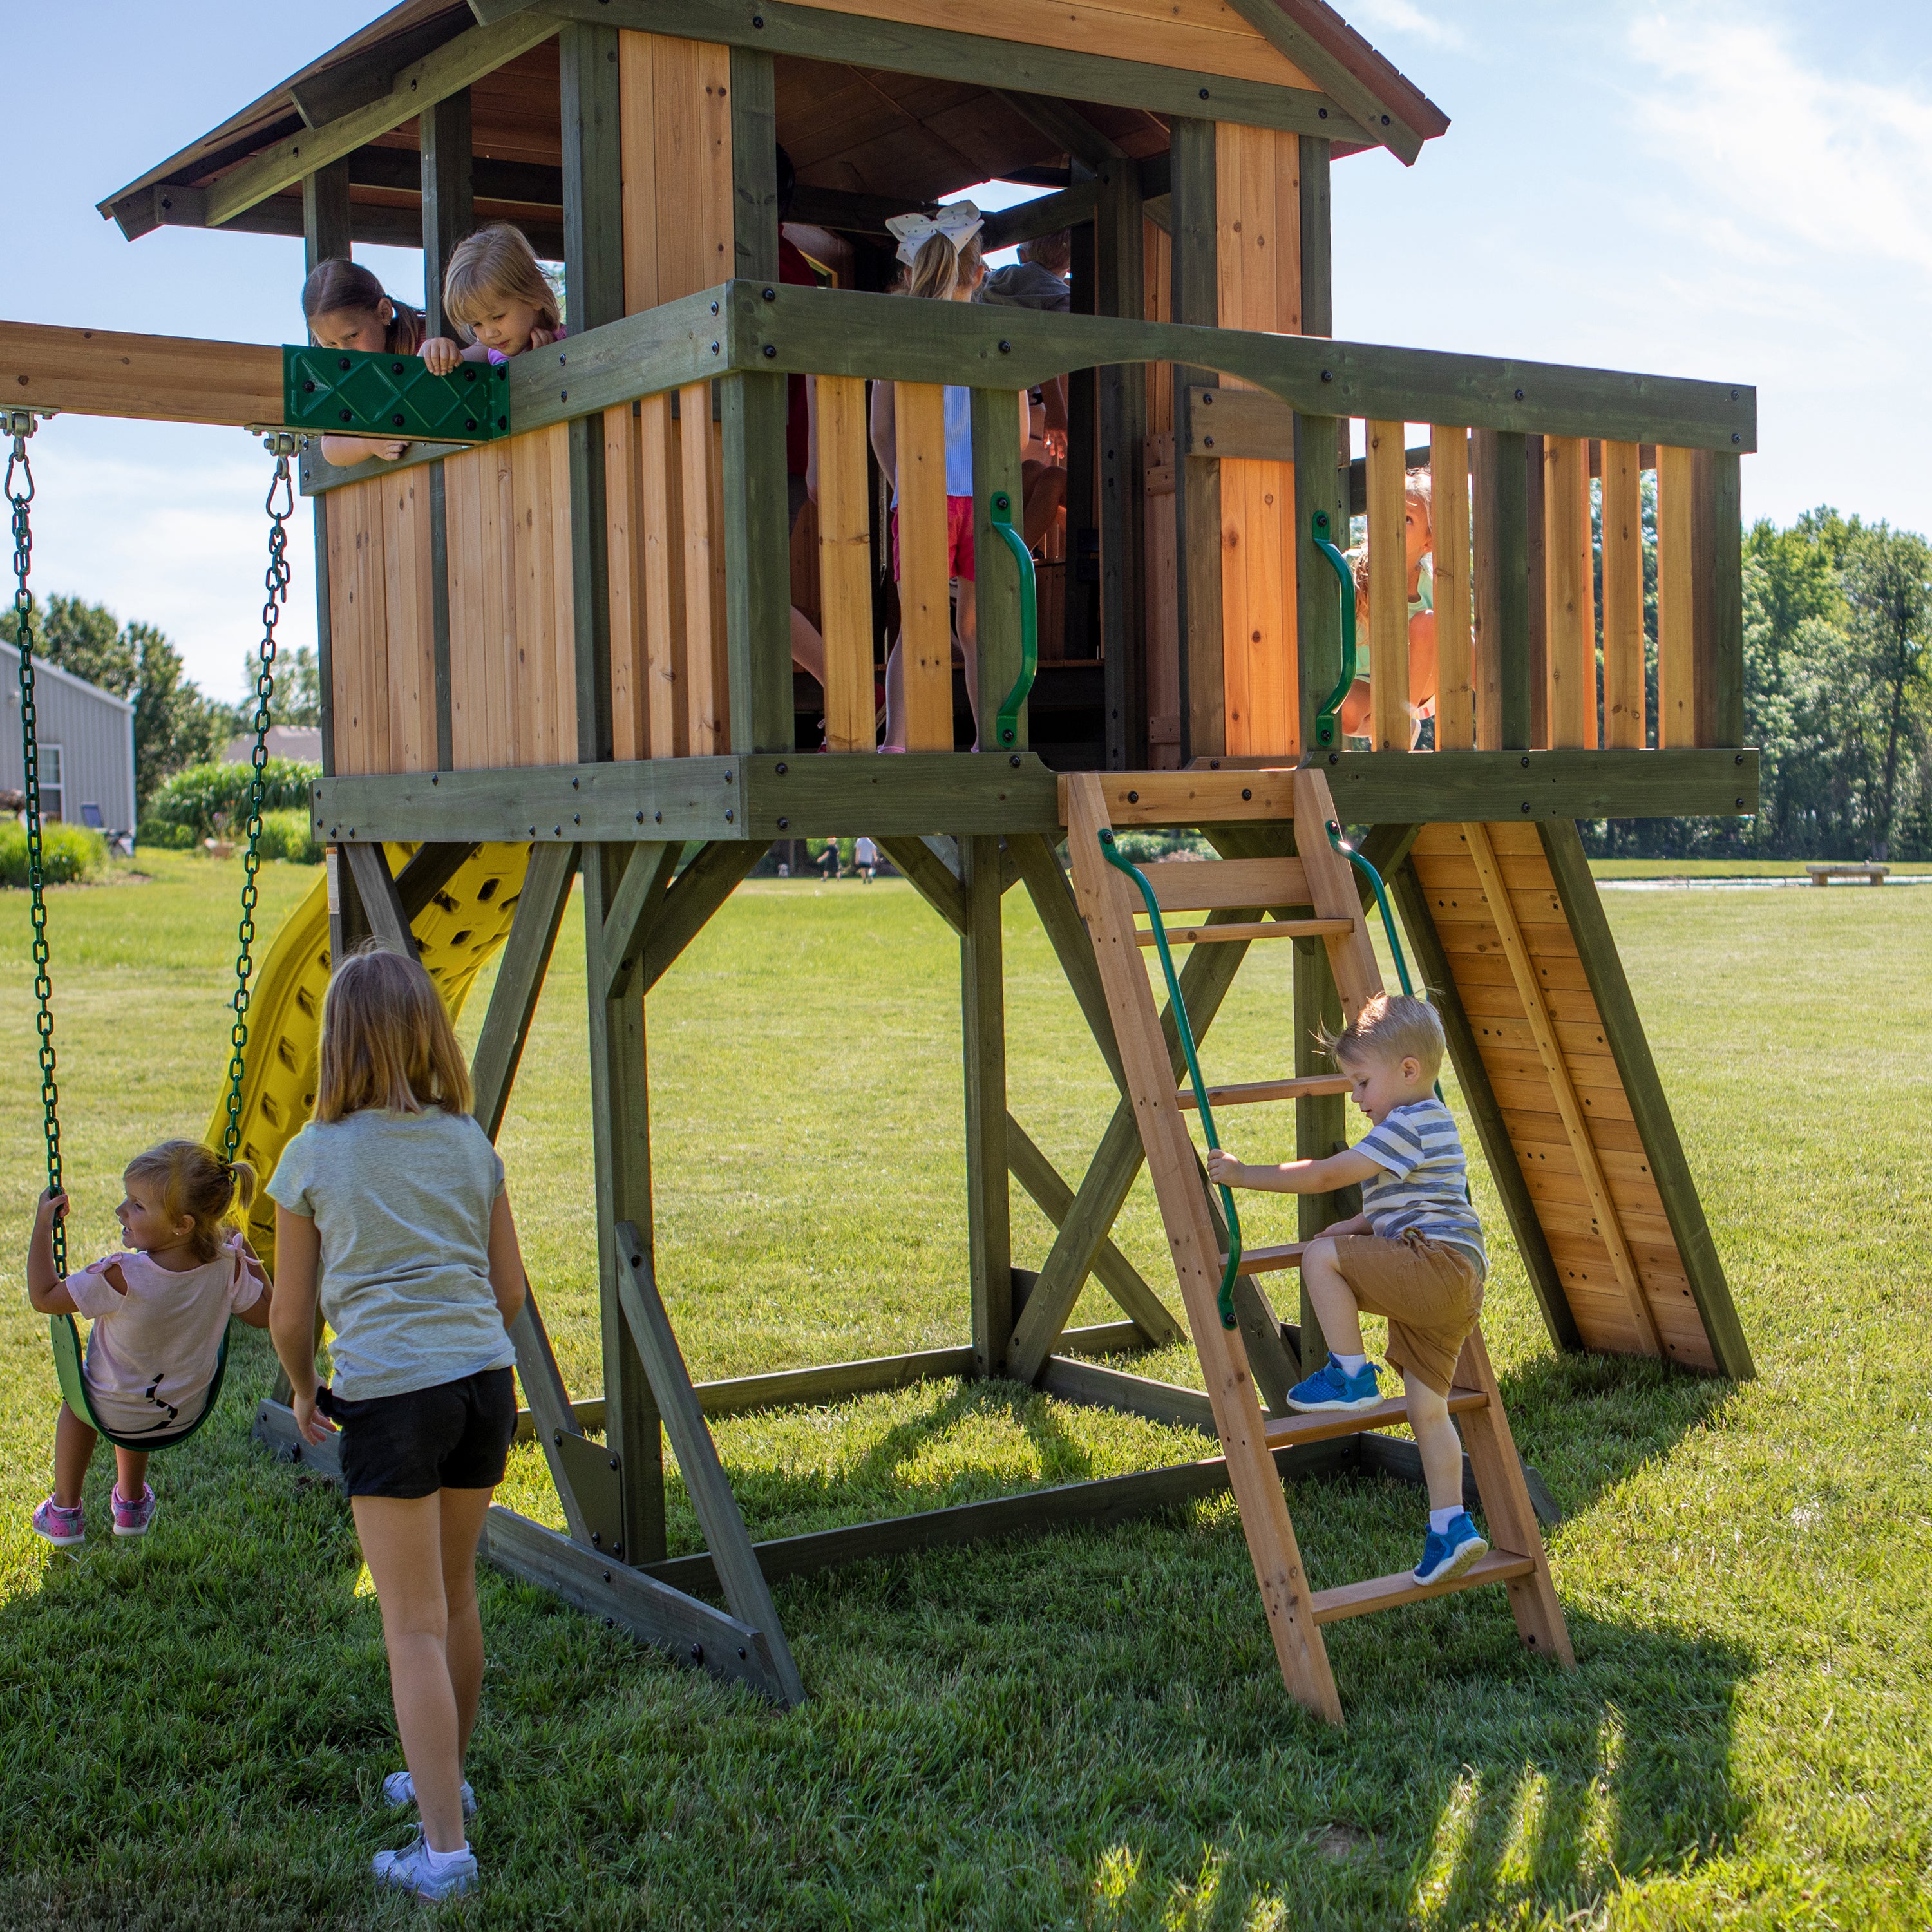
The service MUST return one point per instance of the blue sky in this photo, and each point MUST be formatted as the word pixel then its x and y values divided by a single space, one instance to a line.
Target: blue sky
pixel 1737 191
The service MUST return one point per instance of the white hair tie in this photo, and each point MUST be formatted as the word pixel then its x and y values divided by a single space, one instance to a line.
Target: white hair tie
pixel 958 221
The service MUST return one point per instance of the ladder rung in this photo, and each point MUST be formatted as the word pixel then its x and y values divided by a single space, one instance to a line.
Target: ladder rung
pixel 1245 1093
pixel 1267 1261
pixel 1384 1593
pixel 1285 1431
pixel 1225 885
pixel 1267 928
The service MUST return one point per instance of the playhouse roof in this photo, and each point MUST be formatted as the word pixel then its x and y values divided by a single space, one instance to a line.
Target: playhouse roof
pixel 880 128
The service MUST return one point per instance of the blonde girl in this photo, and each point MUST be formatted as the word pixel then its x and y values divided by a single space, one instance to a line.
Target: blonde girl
pixel 1418 537
pixel 159 1308
pixel 496 291
pixel 390 1207
pixel 346 308
pixel 943 263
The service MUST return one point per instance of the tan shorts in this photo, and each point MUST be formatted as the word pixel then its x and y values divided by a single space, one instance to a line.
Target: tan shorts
pixel 1430 1291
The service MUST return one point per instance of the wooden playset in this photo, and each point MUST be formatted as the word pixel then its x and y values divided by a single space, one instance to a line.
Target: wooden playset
pixel 555 643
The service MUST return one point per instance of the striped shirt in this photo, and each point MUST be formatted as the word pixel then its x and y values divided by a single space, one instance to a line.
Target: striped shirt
pixel 1423 1186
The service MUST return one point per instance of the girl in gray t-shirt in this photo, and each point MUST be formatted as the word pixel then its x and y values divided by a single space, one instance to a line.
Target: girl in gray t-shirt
pixel 390 1210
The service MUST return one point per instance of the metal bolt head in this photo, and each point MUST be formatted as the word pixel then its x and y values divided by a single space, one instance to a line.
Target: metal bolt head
pixel 613 1462
pixel 1006 349
pixel 784 824
pixel 698 1653
pixel 781 768
pixel 771 295
pixel 771 351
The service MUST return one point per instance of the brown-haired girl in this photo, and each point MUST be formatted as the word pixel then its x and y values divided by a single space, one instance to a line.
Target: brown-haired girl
pixel 159 1309
pixel 346 308
pixel 390 1204
pixel 496 291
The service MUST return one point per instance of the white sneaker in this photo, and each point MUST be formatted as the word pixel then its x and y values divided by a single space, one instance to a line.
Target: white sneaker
pixel 409 1870
pixel 399 1789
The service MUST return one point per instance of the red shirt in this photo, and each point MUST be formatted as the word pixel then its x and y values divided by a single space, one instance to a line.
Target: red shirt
pixel 792 267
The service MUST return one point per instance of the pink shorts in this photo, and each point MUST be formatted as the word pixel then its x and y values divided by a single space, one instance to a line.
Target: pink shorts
pixel 958 538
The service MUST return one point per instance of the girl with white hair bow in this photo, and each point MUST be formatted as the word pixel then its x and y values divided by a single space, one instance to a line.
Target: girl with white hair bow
pixel 941 251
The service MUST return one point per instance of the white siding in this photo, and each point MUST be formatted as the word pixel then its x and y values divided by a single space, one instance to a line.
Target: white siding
pixel 94 729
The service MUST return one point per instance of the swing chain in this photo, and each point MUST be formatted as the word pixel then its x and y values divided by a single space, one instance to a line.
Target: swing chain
pixel 19 425
pixel 280 505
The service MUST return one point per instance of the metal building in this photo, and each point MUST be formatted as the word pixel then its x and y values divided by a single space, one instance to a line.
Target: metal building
pixel 87 745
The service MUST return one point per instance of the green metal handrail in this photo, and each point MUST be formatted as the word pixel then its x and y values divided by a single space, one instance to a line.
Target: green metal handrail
pixel 1006 724
pixel 1326 727
pixel 1374 879
pixel 1111 852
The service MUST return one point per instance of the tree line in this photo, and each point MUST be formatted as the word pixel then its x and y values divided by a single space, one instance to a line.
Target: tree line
pixel 176 723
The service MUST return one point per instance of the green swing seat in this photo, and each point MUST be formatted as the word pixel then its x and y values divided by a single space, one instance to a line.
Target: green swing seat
pixel 66 1339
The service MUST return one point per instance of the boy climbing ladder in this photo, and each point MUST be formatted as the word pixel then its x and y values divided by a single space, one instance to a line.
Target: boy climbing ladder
pixel 1319 878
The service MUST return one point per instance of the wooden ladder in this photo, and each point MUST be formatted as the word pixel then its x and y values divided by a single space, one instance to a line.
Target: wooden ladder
pixel 1320 879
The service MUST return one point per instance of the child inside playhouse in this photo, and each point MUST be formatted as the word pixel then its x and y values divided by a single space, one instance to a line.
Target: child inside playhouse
pixel 1419 539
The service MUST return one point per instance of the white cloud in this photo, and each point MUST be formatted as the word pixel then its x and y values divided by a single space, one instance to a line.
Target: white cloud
pixel 1402 16
pixel 1771 147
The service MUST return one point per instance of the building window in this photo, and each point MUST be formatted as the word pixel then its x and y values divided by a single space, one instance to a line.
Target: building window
pixel 52 800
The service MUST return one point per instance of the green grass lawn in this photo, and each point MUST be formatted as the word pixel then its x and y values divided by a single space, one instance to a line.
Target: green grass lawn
pixel 1086 1730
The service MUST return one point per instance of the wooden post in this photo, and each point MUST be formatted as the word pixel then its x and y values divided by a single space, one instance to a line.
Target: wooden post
pixel 1570 627
pixel 988 1207
pixel 593 245
pixel 1321 1120
pixel 1486 588
pixel 1717 546
pixel 845 565
pixel 325 235
pixel 1676 600
pixel 1318 277
pixel 620 1130
pixel 1083 634
pixel 1319 483
pixel 1536 548
pixel 925 604
pixel 1506 586
pixel 448 211
pixel 1197 480
pixel 1119 231
pixel 1388 590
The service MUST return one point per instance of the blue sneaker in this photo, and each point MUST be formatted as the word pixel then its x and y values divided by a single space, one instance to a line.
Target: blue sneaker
pixel 1451 1552
pixel 1329 1392
pixel 408 1871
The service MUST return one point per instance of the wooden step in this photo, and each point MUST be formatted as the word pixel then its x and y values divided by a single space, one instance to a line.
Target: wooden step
pixel 1267 929
pixel 1287 1431
pixel 1385 1593
pixel 1225 885
pixel 1268 1260
pixel 1245 1094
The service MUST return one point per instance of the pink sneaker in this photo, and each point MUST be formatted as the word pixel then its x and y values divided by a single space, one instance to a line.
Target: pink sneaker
pixel 62 1528
pixel 133 1519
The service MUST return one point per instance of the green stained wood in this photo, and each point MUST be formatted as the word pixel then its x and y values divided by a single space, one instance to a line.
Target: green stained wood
pixel 819 34
pixel 620 1132
pixel 1204 981
pixel 1318 592
pixel 983 1043
pixel 325 214
pixel 1119 233
pixel 634 910
pixel 1064 125
pixel 733 1559
pixel 1318 277
pixel 430 867
pixel 541 905
pixel 996 469
pixel 1717 543
pixel 381 906
pixel 1432 967
pixel 1195 303
pixel 758 591
pixel 711 877
pixel 554 1422
pixel 1118 1275
pixel 1312 53
pixel 324 233
pixel 1321 1120
pixel 1049 215
pixel 651 1611
pixel 1059 918
pixel 1094 1385
pixel 930 876
pixel 449 204
pixel 754 173
pixel 1583 909
pixel 1506 569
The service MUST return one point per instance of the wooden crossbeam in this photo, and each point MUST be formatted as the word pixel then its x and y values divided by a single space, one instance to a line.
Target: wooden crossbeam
pixel 382 905
pixel 162 378
pixel 640 892
pixel 541 903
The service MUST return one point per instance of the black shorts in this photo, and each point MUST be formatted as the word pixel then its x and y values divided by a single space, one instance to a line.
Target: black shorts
pixel 455 1435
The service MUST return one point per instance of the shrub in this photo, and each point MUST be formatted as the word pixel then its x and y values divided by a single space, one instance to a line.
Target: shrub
pixel 68 853
pixel 1142 848
pixel 287 834
pixel 163 837
pixel 196 797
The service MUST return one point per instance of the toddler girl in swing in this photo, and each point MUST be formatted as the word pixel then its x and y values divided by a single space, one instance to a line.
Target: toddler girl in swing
pixel 159 1308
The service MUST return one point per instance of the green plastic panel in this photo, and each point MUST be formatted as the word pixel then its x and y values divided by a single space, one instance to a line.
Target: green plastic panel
pixel 352 392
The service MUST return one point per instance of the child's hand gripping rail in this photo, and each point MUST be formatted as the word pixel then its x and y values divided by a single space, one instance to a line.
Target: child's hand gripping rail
pixel 1183 1027
pixel 1006 724
pixel 1326 727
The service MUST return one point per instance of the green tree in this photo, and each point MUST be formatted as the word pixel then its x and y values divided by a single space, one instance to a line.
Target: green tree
pixel 1887 575
pixel 297 687
pixel 175 723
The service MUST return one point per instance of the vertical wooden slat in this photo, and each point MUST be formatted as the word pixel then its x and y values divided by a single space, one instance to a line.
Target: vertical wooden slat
pixel 624 548
pixel 1569 623
pixel 1449 518
pixel 1486 582
pixel 500 558
pixel 443 137
pixel 919 411
pixel 570 673
pixel 844 563
pixel 1516 655
pixel 1623 598
pixel 996 467
pixel 409 622
pixel 1676 642
pixel 1536 544
pixel 660 502
pixel 721 655
pixel 695 449
pixel 1197 480
pixel 1388 589
pixel 1723 649
pixel 460 478
pixel 1122 413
